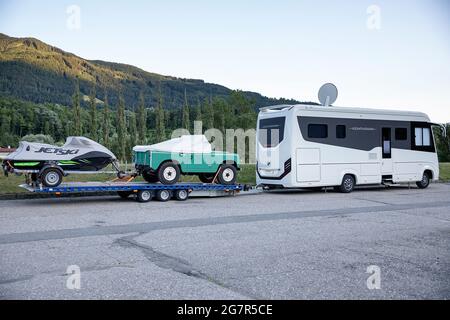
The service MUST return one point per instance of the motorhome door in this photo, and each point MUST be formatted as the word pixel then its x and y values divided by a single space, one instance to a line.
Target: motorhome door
pixel 386 145
pixel 308 165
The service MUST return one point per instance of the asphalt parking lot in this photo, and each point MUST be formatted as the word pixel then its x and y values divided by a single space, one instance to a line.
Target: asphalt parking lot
pixel 290 245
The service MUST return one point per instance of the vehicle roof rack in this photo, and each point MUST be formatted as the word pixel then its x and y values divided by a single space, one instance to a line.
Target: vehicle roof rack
pixel 275 108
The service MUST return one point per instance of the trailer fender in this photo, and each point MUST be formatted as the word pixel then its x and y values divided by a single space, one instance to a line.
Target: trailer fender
pixel 53 166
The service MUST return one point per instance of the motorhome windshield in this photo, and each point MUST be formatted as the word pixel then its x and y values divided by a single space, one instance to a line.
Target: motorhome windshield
pixel 271 131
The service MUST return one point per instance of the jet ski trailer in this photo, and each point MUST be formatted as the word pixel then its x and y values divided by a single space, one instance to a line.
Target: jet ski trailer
pixel 45 164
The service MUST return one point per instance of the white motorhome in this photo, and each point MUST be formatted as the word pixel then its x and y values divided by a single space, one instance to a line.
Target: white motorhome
pixel 305 146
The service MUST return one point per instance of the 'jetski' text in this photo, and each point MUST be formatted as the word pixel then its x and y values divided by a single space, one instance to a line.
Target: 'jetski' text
pixel 57 151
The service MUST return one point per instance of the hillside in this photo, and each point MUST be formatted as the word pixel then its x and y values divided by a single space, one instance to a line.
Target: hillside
pixel 35 71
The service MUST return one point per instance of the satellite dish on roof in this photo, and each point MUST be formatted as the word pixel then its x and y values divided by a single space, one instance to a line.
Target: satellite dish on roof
pixel 328 94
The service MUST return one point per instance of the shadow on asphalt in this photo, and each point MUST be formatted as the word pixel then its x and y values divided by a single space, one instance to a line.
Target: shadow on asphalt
pixel 95 200
pixel 331 190
pixel 111 198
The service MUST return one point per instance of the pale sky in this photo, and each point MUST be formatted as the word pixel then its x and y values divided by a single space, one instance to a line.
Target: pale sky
pixel 277 48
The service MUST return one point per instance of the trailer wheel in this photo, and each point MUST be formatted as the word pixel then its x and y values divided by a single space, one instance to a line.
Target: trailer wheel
pixel 425 182
pixel 124 194
pixel 169 173
pixel 348 184
pixel 144 195
pixel 51 177
pixel 181 195
pixel 163 195
pixel 227 174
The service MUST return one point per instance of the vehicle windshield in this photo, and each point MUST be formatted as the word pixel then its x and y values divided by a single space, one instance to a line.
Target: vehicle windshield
pixel 271 131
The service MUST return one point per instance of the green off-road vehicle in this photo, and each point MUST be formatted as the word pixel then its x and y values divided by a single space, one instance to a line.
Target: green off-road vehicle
pixel 188 155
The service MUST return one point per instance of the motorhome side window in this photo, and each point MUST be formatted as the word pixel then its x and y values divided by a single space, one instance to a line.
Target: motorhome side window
pixel 271 131
pixel 422 137
pixel 341 132
pixel 318 131
pixel 401 134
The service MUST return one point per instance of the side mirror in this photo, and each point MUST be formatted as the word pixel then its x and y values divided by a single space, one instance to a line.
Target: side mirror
pixel 443 127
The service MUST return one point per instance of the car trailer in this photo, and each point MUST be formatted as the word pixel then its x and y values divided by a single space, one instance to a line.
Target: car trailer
pixel 144 192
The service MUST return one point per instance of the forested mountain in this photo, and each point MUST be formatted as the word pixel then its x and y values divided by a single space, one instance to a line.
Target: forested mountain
pixel 37 72
pixel 121 130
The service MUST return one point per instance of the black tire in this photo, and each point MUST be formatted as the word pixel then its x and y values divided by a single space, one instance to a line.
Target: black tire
pixel 144 195
pixel 51 177
pixel 150 176
pixel 425 182
pixel 169 173
pixel 34 177
pixel 227 174
pixel 124 194
pixel 181 195
pixel 348 184
pixel 206 177
pixel 163 195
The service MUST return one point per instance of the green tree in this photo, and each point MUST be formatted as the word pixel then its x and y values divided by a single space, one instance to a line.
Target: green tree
pixel 160 123
pixel 78 130
pixel 228 114
pixel 39 138
pixel 47 130
pixel 198 111
pixel 132 133
pixel 442 137
pixel 185 123
pixel 241 103
pixel 5 127
pixel 208 114
pixel 93 114
pixel 121 129
pixel 142 120
pixel 219 106
pixel 132 127
pixel 242 110
pixel 106 123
